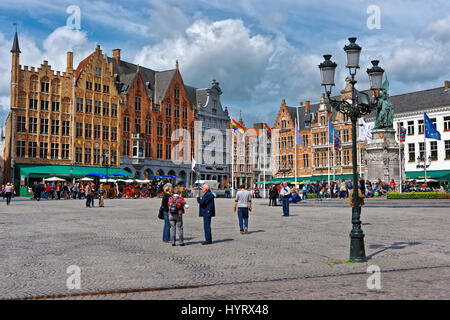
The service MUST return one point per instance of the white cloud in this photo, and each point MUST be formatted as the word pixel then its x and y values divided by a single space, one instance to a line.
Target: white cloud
pixel 224 50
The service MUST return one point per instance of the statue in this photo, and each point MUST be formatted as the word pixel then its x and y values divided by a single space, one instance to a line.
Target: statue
pixel 384 117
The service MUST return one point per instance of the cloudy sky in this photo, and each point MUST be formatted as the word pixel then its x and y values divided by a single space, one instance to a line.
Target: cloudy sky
pixel 260 51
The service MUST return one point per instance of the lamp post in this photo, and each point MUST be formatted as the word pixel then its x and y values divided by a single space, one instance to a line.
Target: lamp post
pixel 361 104
pixel 105 162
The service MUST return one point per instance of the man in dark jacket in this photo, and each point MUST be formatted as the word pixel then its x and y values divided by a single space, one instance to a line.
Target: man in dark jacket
pixel 36 188
pixel 207 211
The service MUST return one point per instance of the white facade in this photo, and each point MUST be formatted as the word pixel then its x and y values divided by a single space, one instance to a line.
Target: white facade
pixel 415 138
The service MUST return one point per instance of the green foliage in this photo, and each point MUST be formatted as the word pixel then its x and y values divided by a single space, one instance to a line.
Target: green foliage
pixel 311 195
pixel 418 195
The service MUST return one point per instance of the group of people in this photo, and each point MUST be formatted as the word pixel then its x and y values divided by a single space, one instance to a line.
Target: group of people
pixel 173 206
pixel 56 190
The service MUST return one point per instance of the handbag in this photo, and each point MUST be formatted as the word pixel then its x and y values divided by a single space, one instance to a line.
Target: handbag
pixel 161 213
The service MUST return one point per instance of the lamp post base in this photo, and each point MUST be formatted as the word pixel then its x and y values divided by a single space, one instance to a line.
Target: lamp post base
pixel 357 251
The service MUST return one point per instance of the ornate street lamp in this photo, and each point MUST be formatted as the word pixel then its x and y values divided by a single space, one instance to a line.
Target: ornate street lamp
pixel 361 104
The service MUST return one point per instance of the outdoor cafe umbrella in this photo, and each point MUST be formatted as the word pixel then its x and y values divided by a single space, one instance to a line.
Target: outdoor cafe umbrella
pixel 99 175
pixel 54 179
pixel 86 179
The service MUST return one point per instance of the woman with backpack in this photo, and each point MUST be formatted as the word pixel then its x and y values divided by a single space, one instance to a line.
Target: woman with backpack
pixel 176 210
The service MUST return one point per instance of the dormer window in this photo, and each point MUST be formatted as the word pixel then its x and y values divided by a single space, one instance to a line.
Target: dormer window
pixel 98 71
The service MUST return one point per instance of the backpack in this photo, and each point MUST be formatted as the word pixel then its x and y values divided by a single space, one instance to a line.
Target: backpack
pixel 174 205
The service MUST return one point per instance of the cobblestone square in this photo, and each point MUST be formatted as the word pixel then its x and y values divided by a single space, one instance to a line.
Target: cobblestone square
pixel 119 247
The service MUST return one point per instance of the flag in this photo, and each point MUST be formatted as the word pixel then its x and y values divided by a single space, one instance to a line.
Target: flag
pixel 193 164
pixel 365 131
pixel 267 128
pixel 402 135
pixel 298 137
pixel 331 132
pixel 430 129
pixel 337 140
pixel 236 126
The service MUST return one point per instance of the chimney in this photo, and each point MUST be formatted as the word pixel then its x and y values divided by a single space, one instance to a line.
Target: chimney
pixel 447 85
pixel 307 106
pixel 69 62
pixel 111 68
pixel 116 56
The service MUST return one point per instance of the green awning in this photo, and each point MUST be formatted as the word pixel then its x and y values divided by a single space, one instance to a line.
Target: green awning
pixel 36 171
pixel 432 174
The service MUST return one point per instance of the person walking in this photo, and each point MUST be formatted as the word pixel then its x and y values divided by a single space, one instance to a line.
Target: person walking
pixel 207 211
pixel 285 193
pixel 243 203
pixel 273 195
pixel 36 188
pixel 176 210
pixel 318 189
pixel 343 190
pixel 165 205
pixel 89 195
pixel 9 189
pixel 101 195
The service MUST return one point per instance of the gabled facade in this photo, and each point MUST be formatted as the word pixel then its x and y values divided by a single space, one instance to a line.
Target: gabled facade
pixel 315 158
pixel 50 112
pixel 156 109
pixel 213 156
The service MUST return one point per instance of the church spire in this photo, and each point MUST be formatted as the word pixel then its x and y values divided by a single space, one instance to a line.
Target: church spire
pixel 15 47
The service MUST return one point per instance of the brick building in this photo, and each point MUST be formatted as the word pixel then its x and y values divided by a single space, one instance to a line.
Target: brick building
pixel 155 107
pixel 41 139
pixel 314 155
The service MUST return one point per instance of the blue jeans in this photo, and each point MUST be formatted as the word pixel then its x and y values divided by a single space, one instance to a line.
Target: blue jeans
pixel 285 202
pixel 243 218
pixel 207 228
pixel 166 230
pixel 88 201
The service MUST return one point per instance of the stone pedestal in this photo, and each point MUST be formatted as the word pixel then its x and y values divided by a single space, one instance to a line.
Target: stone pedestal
pixel 382 157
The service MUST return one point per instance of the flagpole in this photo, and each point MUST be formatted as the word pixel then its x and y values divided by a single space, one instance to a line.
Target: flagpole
pixel 297 127
pixel 328 152
pixel 232 163
pixel 425 157
pixel 265 153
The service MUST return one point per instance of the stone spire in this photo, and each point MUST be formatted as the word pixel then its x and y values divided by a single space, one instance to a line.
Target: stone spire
pixel 176 64
pixel 15 47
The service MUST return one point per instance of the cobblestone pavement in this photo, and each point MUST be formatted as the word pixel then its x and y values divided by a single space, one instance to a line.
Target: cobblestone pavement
pixel 431 283
pixel 119 247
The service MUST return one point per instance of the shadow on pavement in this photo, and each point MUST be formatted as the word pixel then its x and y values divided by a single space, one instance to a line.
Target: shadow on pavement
pixel 214 242
pixel 394 246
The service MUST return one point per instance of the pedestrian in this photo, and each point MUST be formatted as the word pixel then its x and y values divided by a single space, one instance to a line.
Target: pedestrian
pixel 36 188
pixel 9 189
pixel 3 191
pixel 318 188
pixel 176 210
pixel 165 205
pixel 285 193
pixel 101 194
pixel 243 203
pixel 360 199
pixel 207 211
pixel 58 190
pixel 89 195
pixel 273 195
pixel 343 190
pixel 48 190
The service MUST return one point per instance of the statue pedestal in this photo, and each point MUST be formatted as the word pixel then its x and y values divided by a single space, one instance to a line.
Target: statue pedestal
pixel 382 157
